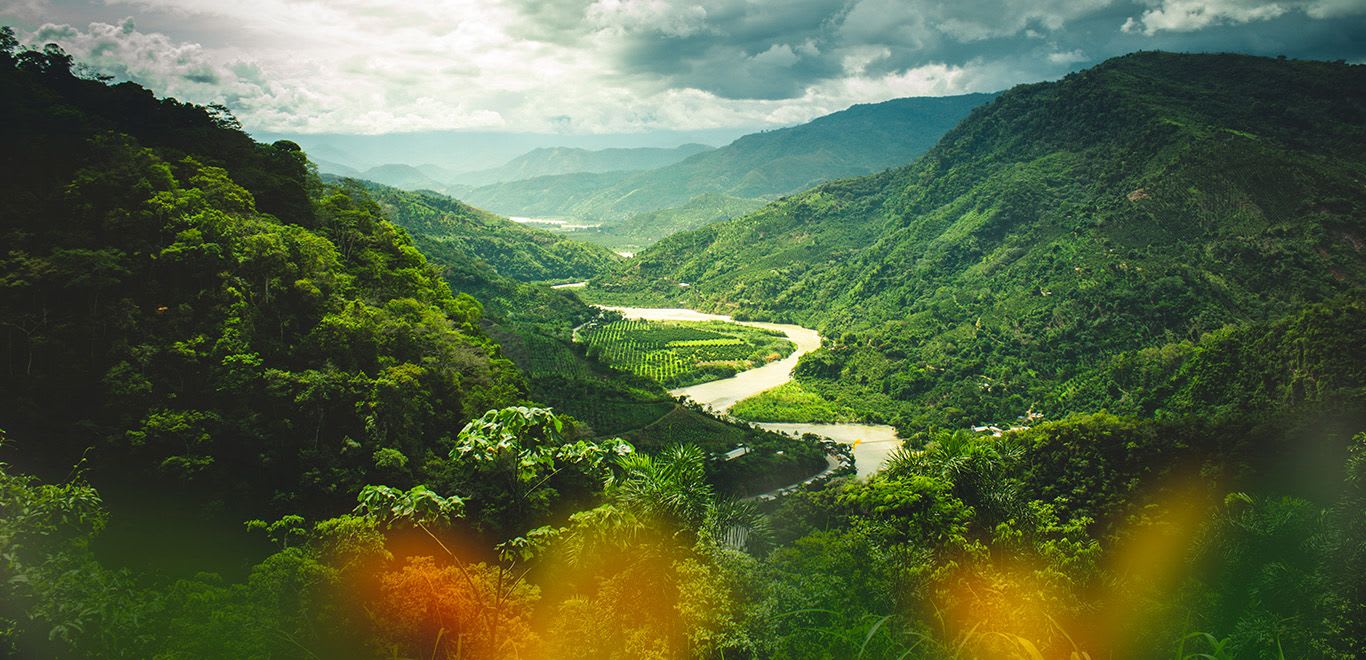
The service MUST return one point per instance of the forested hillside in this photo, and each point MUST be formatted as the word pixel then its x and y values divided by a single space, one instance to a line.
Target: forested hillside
pixel 859 140
pixel 450 231
pixel 189 308
pixel 1146 201
pixel 275 344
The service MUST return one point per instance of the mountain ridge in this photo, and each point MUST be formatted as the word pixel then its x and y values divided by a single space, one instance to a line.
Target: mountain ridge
pixel 548 161
pixel 1107 210
pixel 859 140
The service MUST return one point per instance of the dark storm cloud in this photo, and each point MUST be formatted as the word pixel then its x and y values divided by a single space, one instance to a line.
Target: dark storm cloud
pixel 746 50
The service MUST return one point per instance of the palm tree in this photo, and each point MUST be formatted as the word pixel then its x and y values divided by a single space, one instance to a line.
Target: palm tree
pixel 978 466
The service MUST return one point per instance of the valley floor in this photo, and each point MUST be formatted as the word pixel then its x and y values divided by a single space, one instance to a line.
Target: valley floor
pixel 871 443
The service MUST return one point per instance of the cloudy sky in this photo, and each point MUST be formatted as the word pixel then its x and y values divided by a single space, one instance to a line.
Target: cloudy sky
pixel 631 66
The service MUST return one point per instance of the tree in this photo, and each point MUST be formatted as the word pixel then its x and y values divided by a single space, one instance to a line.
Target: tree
pixel 515 454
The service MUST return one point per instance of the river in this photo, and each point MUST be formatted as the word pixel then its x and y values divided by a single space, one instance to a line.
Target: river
pixel 872 443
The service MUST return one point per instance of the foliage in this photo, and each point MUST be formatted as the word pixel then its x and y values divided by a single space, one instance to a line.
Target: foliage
pixel 238 330
pixel 447 230
pixel 1290 362
pixel 61 601
pixel 790 402
pixel 646 567
pixel 682 353
pixel 518 459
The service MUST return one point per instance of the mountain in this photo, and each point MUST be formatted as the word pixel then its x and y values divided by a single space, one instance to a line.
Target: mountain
pixel 542 196
pixel 246 416
pixel 254 340
pixel 466 151
pixel 859 140
pixel 406 177
pixel 1151 199
pixel 644 228
pixel 337 169
pixel 568 160
pixel 456 232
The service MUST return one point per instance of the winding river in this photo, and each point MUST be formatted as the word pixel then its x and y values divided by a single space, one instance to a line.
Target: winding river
pixel 872 443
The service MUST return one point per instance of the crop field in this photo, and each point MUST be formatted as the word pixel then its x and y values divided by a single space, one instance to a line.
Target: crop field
pixel 678 353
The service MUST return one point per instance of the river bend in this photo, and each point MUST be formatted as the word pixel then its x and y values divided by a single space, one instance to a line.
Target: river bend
pixel 872 443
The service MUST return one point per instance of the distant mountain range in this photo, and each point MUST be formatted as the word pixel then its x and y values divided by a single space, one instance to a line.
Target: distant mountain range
pixel 682 188
pixel 566 160
pixel 860 140
pixel 547 161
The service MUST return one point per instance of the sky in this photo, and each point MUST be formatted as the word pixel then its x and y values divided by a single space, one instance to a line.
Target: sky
pixel 612 67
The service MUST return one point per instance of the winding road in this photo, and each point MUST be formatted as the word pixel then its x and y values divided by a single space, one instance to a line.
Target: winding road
pixel 872 443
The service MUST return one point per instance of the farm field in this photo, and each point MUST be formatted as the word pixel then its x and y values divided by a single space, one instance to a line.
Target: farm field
pixel 679 353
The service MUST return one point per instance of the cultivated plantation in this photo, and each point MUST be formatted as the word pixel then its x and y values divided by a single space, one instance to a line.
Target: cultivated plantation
pixel 681 353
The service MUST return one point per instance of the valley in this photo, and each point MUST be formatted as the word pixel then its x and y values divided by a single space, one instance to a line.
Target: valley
pixel 871 443
pixel 1074 369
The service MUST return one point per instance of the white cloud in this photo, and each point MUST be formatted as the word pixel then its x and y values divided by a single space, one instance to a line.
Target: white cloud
pixel 963 21
pixel 1069 57
pixel 1335 8
pixel 1191 15
pixel 658 16
pixel 857 59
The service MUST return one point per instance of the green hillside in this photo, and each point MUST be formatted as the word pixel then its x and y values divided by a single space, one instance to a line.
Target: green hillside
pixel 450 231
pixel 859 140
pixel 481 255
pixel 552 195
pixel 188 311
pixel 1148 200
pixel 406 177
pixel 642 229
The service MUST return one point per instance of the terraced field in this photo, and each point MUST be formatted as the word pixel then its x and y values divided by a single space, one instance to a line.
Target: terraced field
pixel 680 353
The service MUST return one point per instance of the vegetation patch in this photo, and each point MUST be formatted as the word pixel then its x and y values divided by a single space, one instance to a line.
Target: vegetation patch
pixel 790 402
pixel 679 354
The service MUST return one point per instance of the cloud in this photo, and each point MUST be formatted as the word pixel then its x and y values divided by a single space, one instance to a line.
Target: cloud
pixel 614 66
pixel 178 69
pixel 1191 15
pixel 647 16
pixel 1070 57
